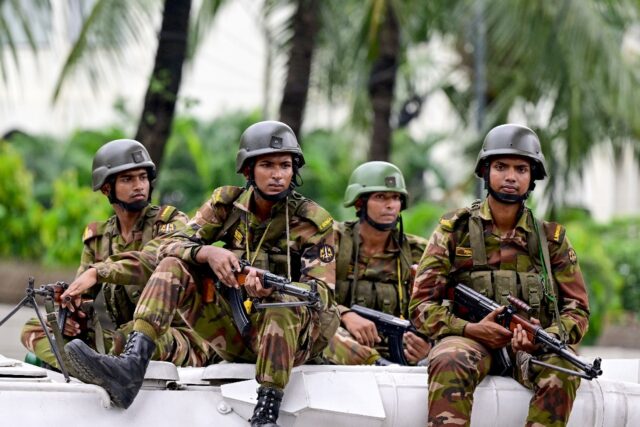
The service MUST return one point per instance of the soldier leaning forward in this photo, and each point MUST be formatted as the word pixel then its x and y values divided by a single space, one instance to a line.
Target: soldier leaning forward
pixel 118 258
pixel 498 248
pixel 267 224
pixel 374 266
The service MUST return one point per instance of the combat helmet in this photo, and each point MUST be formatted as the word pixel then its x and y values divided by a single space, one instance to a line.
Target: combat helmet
pixel 516 140
pixel 118 156
pixel 265 138
pixel 372 177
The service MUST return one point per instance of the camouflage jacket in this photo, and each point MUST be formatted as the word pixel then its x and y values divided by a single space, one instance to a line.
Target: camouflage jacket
pixel 130 264
pixel 377 284
pixel 226 217
pixel 449 259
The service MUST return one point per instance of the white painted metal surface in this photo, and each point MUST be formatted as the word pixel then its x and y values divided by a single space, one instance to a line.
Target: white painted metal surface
pixel 335 396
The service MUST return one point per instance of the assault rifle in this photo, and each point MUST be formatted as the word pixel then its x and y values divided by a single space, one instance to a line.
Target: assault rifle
pixel 474 306
pixel 51 293
pixel 391 327
pixel 308 297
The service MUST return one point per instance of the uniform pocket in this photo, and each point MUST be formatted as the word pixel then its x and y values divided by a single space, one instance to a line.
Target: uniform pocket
pixel 506 284
pixel 481 282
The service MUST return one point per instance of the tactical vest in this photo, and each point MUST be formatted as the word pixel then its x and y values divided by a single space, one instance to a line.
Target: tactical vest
pixel 499 284
pixel 121 300
pixel 272 254
pixel 379 293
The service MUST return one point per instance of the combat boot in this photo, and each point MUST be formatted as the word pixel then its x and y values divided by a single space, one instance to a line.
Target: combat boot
pixel 121 376
pixel 265 414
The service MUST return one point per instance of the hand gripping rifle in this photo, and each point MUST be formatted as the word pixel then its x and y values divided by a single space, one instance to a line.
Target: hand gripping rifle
pixel 51 293
pixel 474 307
pixel 391 327
pixel 308 297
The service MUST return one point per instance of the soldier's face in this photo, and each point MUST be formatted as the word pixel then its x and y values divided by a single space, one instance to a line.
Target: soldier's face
pixel 273 172
pixel 384 206
pixel 510 175
pixel 132 185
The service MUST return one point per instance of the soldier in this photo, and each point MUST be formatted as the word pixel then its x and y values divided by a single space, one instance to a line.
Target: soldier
pixel 498 247
pixel 374 266
pixel 118 258
pixel 266 223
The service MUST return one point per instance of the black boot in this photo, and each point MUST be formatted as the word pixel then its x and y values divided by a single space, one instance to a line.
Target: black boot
pixel 121 376
pixel 265 414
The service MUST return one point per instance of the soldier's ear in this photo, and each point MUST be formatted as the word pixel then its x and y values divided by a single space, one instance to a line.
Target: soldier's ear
pixel 105 189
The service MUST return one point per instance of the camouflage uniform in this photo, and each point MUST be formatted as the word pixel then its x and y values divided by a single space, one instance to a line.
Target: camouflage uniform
pixel 377 287
pixel 123 268
pixel 279 338
pixel 512 265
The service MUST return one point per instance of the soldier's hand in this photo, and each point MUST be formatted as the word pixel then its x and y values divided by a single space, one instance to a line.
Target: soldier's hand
pixel 223 263
pixel 363 330
pixel 488 332
pixel 71 327
pixel 254 287
pixel 71 298
pixel 521 339
pixel 415 348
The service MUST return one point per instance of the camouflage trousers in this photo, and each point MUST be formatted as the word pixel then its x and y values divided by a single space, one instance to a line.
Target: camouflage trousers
pixel 457 365
pixel 179 345
pixel 343 349
pixel 279 338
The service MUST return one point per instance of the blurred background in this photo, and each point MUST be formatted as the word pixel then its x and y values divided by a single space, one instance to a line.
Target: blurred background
pixel 413 82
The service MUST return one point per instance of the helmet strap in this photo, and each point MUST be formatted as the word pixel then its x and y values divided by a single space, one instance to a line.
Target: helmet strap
pixel 131 207
pixel 364 216
pixel 509 199
pixel 251 182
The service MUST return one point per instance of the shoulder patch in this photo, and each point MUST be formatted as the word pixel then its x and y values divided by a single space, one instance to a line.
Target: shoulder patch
pixel 93 230
pixel 554 231
pixel 449 220
pixel 315 213
pixel 166 213
pixel 226 195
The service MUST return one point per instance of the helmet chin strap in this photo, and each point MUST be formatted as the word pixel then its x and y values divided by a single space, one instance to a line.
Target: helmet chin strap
pixel 295 182
pixel 131 207
pixel 509 199
pixel 364 216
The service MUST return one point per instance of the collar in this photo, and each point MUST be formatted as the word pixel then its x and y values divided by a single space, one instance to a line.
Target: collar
pixel 243 202
pixel 523 222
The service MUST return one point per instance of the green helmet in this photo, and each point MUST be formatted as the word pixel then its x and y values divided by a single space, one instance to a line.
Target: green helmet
pixel 118 156
pixel 266 138
pixel 372 177
pixel 514 140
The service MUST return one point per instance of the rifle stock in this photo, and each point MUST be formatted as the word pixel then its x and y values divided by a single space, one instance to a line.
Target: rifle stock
pixel 475 306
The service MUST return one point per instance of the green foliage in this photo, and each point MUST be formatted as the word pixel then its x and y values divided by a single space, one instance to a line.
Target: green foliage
pixel 20 213
pixel 72 208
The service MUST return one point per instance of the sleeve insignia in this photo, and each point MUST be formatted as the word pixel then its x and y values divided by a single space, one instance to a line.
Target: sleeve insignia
pixel 167 228
pixel 237 237
pixel 326 253
pixel 573 257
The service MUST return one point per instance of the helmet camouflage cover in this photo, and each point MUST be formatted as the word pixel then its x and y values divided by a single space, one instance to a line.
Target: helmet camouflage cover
pixel 372 177
pixel 266 138
pixel 118 156
pixel 512 140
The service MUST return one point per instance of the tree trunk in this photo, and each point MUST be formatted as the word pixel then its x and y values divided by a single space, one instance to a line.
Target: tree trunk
pixel 162 93
pixel 305 29
pixel 382 81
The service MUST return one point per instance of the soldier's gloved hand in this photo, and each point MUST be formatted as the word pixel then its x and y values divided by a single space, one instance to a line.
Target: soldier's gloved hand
pixel 488 332
pixel 363 330
pixel 415 348
pixel 223 263
pixel 521 339
pixel 71 298
pixel 254 287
